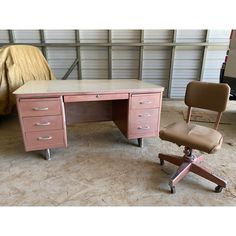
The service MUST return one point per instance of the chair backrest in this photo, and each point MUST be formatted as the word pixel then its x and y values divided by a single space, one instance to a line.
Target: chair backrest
pixel 210 96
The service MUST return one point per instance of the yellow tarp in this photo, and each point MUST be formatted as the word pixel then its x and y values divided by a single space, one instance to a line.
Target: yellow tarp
pixel 19 64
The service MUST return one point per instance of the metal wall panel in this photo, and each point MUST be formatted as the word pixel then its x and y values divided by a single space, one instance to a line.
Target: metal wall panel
pixel 59 36
pixel 156 65
pixel 93 36
pixel 182 73
pixel 156 53
pixel 125 36
pixel 214 60
pixel 152 63
pixel 220 36
pixel 93 53
pixel 94 62
pixel 27 36
pixel 186 54
pixel 190 36
pixel 153 36
pixel 4 37
pixel 60 59
pixel 60 72
pixel 215 56
pixel 127 53
pixel 186 68
pixel 61 53
pixel 125 62
pixel 152 74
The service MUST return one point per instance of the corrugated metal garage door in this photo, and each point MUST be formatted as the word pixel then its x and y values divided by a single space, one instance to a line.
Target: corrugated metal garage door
pixel 215 55
pixel 94 62
pixel 170 58
pixel 186 67
pixel 4 36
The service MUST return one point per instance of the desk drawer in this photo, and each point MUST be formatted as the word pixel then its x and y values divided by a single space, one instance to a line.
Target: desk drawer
pixel 143 122
pixel 141 115
pixel 44 139
pixel 95 97
pixel 39 123
pixel 144 101
pixel 40 107
pixel 143 127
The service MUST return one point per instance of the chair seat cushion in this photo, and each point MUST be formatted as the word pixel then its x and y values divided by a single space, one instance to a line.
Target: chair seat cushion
pixel 193 136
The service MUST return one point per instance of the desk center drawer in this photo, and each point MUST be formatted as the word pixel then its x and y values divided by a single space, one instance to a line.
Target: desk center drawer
pixel 38 123
pixel 95 97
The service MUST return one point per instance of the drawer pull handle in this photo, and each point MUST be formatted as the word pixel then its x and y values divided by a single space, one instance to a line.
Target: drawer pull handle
pixel 43 124
pixel 145 127
pixel 144 115
pixel 145 102
pixel 40 108
pixel 98 96
pixel 45 138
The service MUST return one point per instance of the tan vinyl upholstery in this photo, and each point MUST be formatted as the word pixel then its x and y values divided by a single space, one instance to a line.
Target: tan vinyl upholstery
pixel 192 136
pixel 210 96
pixel 204 95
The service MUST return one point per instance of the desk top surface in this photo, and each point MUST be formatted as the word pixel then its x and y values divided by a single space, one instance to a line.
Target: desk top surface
pixel 67 87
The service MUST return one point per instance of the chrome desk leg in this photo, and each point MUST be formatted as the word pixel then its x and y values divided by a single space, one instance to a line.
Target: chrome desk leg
pixel 140 142
pixel 47 154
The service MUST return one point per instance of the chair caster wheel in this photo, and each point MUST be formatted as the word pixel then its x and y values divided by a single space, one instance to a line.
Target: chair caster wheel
pixel 172 189
pixel 162 162
pixel 218 189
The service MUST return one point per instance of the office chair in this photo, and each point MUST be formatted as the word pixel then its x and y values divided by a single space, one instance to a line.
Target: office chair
pixel 210 96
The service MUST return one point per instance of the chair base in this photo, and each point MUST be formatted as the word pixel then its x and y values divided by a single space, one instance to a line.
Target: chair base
pixel 190 163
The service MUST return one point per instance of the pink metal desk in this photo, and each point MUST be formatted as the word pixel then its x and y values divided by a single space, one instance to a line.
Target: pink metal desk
pixel 45 107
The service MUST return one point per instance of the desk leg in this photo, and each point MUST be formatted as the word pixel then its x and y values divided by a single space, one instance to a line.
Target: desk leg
pixel 140 142
pixel 48 154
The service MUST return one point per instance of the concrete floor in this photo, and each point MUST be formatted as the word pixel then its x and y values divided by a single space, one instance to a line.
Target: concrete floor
pixel 101 168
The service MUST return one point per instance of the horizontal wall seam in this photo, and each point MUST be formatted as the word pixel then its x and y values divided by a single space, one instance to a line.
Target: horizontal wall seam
pixel 118 44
